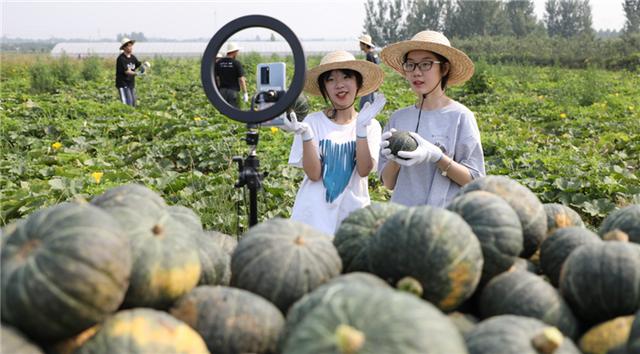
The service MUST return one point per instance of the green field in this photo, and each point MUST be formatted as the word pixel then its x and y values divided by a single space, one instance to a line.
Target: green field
pixel 572 136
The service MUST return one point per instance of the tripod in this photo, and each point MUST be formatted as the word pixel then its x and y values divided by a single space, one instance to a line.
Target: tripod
pixel 248 173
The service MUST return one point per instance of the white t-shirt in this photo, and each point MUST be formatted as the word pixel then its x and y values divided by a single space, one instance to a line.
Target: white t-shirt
pixel 325 203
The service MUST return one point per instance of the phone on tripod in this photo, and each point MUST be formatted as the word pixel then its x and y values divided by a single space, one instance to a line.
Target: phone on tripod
pixel 271 86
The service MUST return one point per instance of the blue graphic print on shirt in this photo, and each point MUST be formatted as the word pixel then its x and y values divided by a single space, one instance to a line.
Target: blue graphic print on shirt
pixel 338 162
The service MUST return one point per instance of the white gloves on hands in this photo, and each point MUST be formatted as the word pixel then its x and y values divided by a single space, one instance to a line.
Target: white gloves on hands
pixel 245 97
pixel 426 151
pixel 367 113
pixel 303 129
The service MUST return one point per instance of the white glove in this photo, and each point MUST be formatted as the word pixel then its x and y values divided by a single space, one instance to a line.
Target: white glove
pixel 245 97
pixel 425 151
pixel 384 143
pixel 303 129
pixel 369 112
pixel 147 64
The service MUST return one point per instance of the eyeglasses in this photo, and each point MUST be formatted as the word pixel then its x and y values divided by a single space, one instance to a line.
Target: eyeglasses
pixel 426 65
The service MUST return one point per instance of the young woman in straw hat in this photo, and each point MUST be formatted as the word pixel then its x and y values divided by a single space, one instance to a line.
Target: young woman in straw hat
pixel 337 147
pixel 449 152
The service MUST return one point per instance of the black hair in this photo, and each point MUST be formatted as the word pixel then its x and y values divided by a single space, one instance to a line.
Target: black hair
pixel 322 78
pixel 443 82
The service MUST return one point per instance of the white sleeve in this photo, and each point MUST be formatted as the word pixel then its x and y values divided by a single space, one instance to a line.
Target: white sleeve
pixel 374 131
pixel 295 156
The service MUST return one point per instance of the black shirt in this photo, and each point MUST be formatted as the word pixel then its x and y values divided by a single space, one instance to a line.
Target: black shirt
pixel 229 70
pixel 122 64
pixel 373 57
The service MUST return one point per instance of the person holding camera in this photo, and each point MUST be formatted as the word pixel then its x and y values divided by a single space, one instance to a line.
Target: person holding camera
pixel 337 147
pixel 126 65
pixel 230 76
pixel 449 153
pixel 367 46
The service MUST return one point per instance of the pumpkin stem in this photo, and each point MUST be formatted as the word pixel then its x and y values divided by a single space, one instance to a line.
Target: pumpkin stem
pixel 410 285
pixel 28 247
pixel 616 235
pixel 157 229
pixel 349 339
pixel 547 341
pixel 299 241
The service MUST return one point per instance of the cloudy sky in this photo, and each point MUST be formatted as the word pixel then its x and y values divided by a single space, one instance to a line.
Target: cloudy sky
pixel 329 19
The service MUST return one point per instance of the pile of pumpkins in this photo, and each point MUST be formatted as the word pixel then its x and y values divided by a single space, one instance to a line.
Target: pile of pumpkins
pixel 496 271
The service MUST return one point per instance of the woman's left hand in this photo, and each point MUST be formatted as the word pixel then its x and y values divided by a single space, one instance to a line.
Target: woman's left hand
pixel 367 113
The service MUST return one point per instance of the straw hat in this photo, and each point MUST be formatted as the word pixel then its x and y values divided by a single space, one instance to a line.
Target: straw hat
pixel 372 74
pixel 124 42
pixel 366 39
pixel 232 47
pixel 436 42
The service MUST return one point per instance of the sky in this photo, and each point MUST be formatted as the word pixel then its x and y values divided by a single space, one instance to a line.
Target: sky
pixel 190 19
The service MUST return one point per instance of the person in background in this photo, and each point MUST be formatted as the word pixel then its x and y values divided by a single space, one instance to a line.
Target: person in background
pixel 337 147
pixel 126 65
pixel 230 76
pixel 449 153
pixel 370 52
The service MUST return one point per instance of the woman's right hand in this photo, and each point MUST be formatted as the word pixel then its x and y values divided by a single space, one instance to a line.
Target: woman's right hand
pixel 303 129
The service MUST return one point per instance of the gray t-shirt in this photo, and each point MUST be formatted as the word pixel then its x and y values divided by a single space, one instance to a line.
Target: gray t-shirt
pixel 454 129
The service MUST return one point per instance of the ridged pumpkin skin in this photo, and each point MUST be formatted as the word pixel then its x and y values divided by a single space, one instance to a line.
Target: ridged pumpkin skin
pixel 559 216
pixel 626 220
pixel 602 281
pixel 523 201
pixel 401 141
pixel 558 245
pixel 526 294
pixel 64 269
pixel 355 231
pixel 281 260
pixel 166 264
pixel 144 331
pixel 525 265
pixel 14 342
pixel 214 262
pixel 633 343
pixel 434 246
pixel 227 244
pixel 231 320
pixel 388 321
pixel 497 227
pixel 510 334
pixel 606 336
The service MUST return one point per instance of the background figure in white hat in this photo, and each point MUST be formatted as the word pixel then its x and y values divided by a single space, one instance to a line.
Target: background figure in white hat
pixel 449 153
pixel 230 76
pixel 369 49
pixel 337 147
pixel 126 64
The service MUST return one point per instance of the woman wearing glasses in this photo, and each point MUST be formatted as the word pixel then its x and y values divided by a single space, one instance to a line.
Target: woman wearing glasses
pixel 449 153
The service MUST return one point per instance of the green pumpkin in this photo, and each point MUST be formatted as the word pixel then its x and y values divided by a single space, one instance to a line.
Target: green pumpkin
pixel 606 336
pixel 355 231
pixel 497 227
pixel 633 343
pixel 525 203
pixel 227 244
pixel 526 294
pixel 559 216
pixel 367 320
pixel 282 259
pixel 626 220
pixel 525 265
pixel 401 141
pixel 166 264
pixel 15 342
pixel 432 245
pixel 510 334
pixel 231 320
pixel 144 331
pixel 558 245
pixel 64 269
pixel 601 281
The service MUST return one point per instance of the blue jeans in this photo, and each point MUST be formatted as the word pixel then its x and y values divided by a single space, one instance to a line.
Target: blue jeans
pixel 127 95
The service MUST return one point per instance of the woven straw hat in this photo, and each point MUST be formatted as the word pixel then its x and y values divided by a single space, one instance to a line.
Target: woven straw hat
pixel 366 39
pixel 124 42
pixel 436 42
pixel 232 47
pixel 372 74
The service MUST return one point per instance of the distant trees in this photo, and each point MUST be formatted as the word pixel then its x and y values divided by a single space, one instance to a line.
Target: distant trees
pixel 632 12
pixel 136 36
pixel 568 18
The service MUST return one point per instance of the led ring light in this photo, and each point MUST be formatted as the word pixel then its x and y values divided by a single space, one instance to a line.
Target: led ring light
pixel 207 68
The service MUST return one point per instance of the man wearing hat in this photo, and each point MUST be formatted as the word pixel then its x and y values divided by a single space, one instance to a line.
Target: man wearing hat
pixel 126 64
pixel 230 76
pixel 449 153
pixel 367 46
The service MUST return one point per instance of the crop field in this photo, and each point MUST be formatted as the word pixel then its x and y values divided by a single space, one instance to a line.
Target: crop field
pixel 571 136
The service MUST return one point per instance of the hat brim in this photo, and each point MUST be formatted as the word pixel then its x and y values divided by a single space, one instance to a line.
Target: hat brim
pixel 367 43
pixel 372 76
pixel 127 42
pixel 462 67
